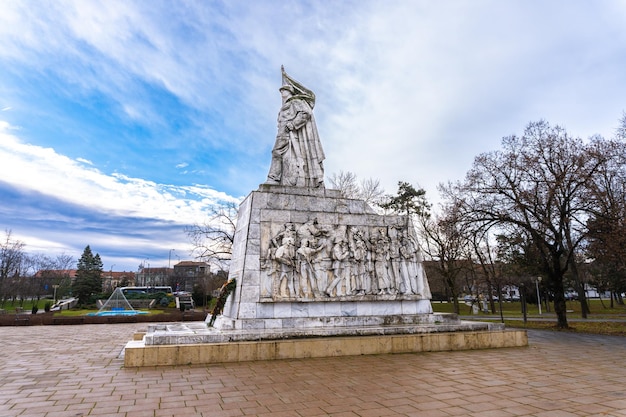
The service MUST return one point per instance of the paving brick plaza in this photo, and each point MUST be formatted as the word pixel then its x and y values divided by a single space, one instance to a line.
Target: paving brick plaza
pixel 74 371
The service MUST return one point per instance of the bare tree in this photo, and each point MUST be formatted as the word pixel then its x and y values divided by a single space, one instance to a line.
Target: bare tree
pixel 50 275
pixel 368 190
pixel 538 184
pixel 620 133
pixel 11 262
pixel 346 183
pixel 371 192
pixel 444 242
pixel 486 251
pixel 606 241
pixel 213 240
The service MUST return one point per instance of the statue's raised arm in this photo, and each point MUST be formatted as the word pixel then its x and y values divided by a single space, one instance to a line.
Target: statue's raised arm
pixel 297 157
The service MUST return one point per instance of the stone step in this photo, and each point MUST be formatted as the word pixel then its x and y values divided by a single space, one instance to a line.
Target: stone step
pixel 190 333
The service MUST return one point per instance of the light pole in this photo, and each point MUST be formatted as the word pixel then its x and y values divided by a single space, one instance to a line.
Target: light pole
pixel 538 296
pixel 111 276
pixel 145 261
pixel 55 292
pixel 523 298
pixel 169 259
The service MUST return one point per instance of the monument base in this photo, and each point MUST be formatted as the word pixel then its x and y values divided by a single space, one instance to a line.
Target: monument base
pixel 195 343
pixel 138 354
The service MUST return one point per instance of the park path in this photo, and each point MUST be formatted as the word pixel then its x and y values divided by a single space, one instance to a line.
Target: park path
pixel 74 371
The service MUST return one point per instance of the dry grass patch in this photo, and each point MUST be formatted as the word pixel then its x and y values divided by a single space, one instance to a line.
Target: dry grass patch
pixel 591 327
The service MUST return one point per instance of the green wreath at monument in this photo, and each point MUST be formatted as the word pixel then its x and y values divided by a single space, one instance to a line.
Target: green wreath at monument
pixel 228 287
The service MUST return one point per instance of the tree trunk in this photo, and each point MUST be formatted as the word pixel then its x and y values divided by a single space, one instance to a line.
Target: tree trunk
pixel 612 298
pixel 560 307
pixel 456 304
pixel 492 302
pixel 452 288
pixel 580 289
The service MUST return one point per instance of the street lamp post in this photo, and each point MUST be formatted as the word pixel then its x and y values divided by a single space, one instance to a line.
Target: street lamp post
pixel 55 292
pixel 145 261
pixel 538 296
pixel 523 298
pixel 111 276
pixel 169 259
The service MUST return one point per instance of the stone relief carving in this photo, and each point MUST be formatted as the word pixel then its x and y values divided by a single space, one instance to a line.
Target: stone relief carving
pixel 297 155
pixel 310 261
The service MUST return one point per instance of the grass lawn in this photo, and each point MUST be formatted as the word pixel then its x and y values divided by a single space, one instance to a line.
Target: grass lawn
pixel 602 320
pixel 591 327
pixel 615 317
pixel 514 309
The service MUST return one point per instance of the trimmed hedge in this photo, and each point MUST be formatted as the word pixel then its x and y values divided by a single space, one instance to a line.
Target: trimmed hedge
pixel 51 319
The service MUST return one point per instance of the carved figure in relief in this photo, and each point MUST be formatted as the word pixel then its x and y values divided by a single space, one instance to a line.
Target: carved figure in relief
pixel 394 262
pixel 340 255
pixel 422 286
pixel 371 284
pixel 323 261
pixel 297 155
pixel 284 257
pixel 289 232
pixel 358 251
pixel 310 261
pixel 310 231
pixel 381 262
pixel 408 264
pixel 308 278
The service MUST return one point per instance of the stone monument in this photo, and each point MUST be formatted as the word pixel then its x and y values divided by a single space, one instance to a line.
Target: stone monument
pixel 313 267
pixel 311 262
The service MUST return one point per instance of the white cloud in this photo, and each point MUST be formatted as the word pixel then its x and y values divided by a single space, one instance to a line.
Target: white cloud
pixel 406 90
pixel 31 167
pixel 421 88
pixel 84 161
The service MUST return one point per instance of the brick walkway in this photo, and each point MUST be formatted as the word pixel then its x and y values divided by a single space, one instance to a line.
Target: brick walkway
pixel 76 371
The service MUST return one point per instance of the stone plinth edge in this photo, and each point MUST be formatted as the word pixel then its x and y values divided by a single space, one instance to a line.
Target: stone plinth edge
pixel 137 354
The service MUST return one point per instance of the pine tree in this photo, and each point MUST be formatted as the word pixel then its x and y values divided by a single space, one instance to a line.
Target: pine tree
pixel 88 279
pixel 409 201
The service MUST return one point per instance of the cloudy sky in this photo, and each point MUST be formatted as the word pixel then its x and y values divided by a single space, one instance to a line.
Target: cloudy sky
pixel 122 122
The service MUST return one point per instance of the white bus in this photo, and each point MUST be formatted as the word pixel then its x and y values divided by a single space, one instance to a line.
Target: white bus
pixel 147 290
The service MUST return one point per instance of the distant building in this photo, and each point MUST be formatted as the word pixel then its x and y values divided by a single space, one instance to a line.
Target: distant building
pixel 56 273
pixel 111 280
pixel 150 277
pixel 55 282
pixel 189 273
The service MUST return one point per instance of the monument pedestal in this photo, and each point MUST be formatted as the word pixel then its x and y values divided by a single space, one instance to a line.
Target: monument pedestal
pixel 318 275
pixel 329 285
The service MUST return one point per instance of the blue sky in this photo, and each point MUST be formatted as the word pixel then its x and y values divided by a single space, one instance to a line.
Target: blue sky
pixel 122 122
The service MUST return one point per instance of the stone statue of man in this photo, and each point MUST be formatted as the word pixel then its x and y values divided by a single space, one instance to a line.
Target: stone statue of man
pixel 297 155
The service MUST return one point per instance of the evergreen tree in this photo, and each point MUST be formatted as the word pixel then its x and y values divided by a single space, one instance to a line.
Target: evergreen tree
pixel 408 201
pixel 88 279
